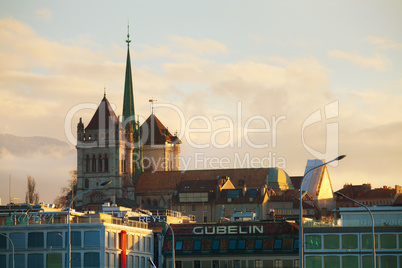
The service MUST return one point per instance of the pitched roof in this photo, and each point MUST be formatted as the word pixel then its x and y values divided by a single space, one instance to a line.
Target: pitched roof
pixel 153 132
pixel 167 180
pixel 103 117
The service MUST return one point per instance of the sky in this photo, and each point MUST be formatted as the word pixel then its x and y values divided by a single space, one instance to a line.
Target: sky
pixel 243 83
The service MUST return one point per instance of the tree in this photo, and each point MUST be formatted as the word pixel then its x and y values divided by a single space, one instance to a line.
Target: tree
pixel 65 196
pixel 31 197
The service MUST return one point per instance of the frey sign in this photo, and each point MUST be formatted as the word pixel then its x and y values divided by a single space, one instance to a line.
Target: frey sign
pixel 228 229
pixel 152 219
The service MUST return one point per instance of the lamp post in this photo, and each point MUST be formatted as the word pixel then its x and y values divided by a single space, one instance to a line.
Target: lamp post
pixel 301 236
pixel 12 244
pixel 372 221
pixel 68 219
pixel 173 250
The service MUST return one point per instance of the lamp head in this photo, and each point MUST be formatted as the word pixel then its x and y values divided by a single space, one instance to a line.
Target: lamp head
pixel 340 157
pixel 105 183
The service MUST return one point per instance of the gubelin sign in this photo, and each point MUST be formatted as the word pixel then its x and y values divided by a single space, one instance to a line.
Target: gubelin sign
pixel 229 229
pixel 25 215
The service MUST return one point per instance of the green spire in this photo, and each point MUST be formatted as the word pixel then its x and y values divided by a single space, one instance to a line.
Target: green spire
pixel 128 101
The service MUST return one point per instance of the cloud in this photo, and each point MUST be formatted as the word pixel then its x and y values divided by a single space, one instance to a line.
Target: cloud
pixel 384 43
pixel 377 62
pixel 43 14
pixel 205 46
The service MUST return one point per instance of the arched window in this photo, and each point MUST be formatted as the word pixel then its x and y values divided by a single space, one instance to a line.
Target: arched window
pixel 100 163
pixel 106 163
pixel 86 186
pixel 87 163
pixel 93 163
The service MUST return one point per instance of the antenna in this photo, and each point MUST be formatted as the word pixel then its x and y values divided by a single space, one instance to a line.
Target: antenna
pixel 152 104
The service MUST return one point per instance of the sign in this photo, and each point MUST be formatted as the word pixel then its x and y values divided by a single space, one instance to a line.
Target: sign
pixel 228 229
pixel 152 219
pixel 24 215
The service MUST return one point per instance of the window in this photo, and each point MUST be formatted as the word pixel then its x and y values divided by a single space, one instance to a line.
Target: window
pixel 106 163
pixel 278 244
pixel 350 262
pixel 242 244
pixel 112 240
pixel 389 261
pixel 91 239
pixel 91 259
pixel 215 244
pixel 258 244
pixel 197 264
pixel 332 262
pixel 193 208
pixel 278 264
pixel 18 240
pixel 367 241
pixel 331 242
pixel 258 264
pixel 75 239
pixel 388 241
pixel 400 241
pixel 136 243
pixel 54 240
pixel 193 197
pixel 252 193
pixel 87 163
pixel 86 184
pixel 232 244
pixel 93 163
pixel 215 264
pixel 313 262
pixel 197 245
pixel 35 260
pixel 35 240
pixel 19 260
pixel 349 242
pixel 368 260
pixel 100 163
pixel 112 260
pixel 54 260
pixel 233 194
pixel 179 245
pixel 3 260
pixel 313 242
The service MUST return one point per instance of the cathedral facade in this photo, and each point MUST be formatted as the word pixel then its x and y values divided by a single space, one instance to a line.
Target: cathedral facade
pixel 118 149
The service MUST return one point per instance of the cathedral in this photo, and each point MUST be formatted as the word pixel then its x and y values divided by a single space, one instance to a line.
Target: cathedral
pixel 119 149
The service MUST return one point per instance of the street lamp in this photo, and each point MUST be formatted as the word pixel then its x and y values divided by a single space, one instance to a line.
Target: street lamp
pixel 173 250
pixel 68 219
pixel 11 244
pixel 301 238
pixel 372 221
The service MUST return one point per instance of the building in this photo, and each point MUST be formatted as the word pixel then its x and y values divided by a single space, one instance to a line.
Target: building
pixel 235 244
pixel 349 244
pixel 40 239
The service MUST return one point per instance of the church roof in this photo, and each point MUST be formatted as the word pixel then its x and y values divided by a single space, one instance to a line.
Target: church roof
pixel 103 116
pixel 167 180
pixel 153 132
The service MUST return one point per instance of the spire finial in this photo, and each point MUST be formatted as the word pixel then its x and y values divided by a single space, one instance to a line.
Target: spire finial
pixel 152 104
pixel 104 91
pixel 128 36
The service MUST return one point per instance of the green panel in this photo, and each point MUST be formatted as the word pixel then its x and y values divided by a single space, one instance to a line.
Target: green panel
pixel 367 241
pixel 368 260
pixel 388 241
pixel 313 242
pixel 313 262
pixel 332 262
pixel 350 262
pixel 349 241
pixel 331 242
pixel 400 242
pixel 388 261
pixel 54 260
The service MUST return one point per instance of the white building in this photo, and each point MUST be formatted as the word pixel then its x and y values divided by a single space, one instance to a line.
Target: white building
pixel 40 239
